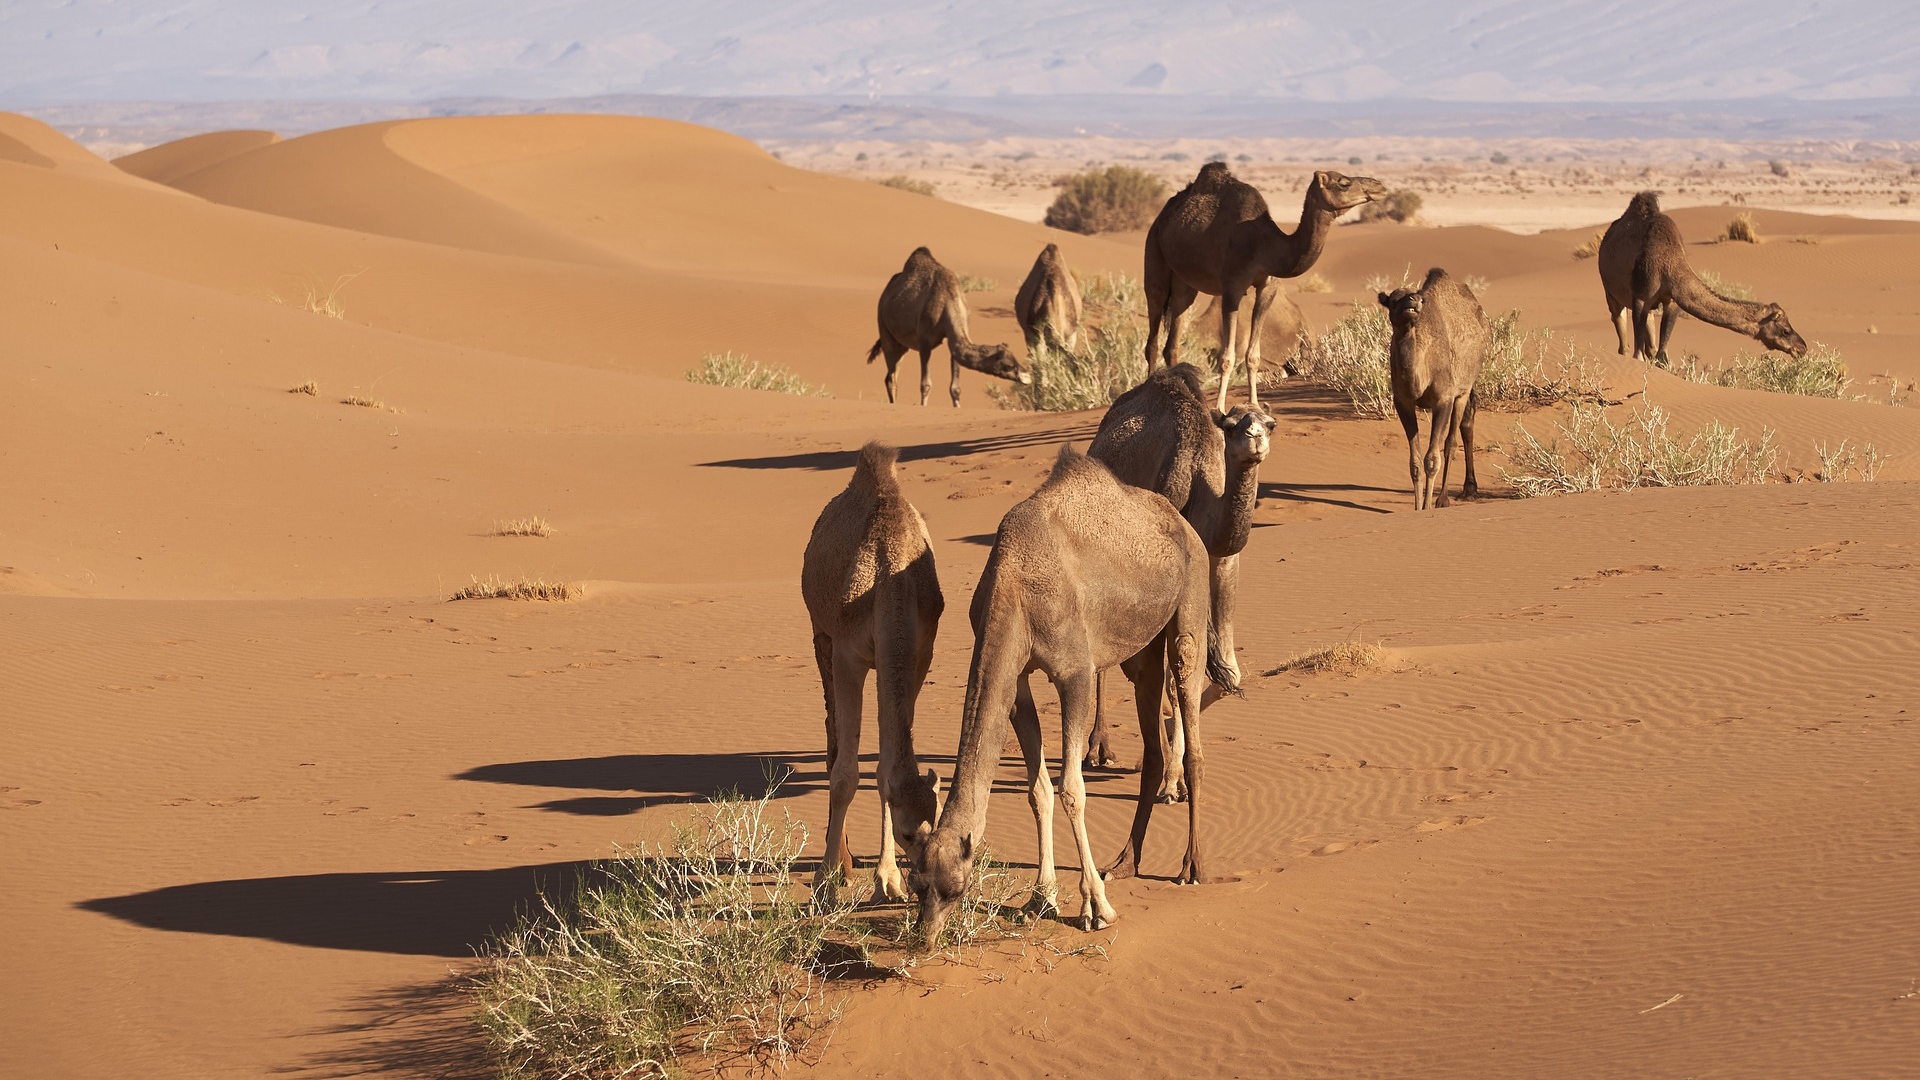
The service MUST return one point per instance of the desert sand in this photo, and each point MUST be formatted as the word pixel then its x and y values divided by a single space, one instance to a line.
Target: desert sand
pixel 1637 793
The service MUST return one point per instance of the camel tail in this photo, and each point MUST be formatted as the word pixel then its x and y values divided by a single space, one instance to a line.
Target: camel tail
pixel 873 352
pixel 874 470
pixel 1217 667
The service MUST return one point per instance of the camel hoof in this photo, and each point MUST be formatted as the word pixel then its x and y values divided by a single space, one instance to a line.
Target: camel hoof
pixel 1090 921
pixel 1040 906
pixel 1122 869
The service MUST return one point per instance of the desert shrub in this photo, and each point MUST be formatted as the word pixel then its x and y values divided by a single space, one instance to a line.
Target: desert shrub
pixel 972 284
pixel 1732 290
pixel 1113 199
pixel 1345 658
pixel 1844 462
pixel 527 526
pixel 1111 358
pixel 737 371
pixel 1527 369
pixel 1779 168
pixel 362 402
pixel 309 388
pixel 1743 229
pixel 1592 246
pixel 1313 283
pixel 1402 206
pixel 706 950
pixel 320 299
pixel 995 906
pixel 1351 355
pixel 908 183
pixel 1354 161
pixel 1498 158
pixel 495 588
pixel 1820 373
pixel 1639 453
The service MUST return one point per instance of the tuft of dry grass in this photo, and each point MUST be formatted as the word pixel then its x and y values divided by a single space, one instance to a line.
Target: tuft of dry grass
pixel 310 388
pixel 363 402
pixel 909 184
pixel 527 526
pixel 321 299
pixel 1743 229
pixel 495 588
pixel 970 283
pixel 737 371
pixel 1638 453
pixel 1348 658
pixel 1592 247
pixel 1732 290
pixel 1114 199
pixel 1111 357
pixel 1844 462
pixel 1779 168
pixel 1313 283
pixel 1820 373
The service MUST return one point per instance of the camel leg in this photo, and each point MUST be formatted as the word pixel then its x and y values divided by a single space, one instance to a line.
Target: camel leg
pixel 1455 409
pixel 1471 489
pixel 1438 423
pixel 1229 305
pixel 1099 745
pixel 1075 690
pixel 1145 669
pixel 1642 333
pixel 1262 300
pixel 888 883
pixel 926 376
pixel 1669 315
pixel 1410 422
pixel 953 386
pixel 843 773
pixel 1179 300
pixel 1026 726
pixel 1621 317
pixel 893 351
pixel 1156 281
pixel 1189 676
pixel 1173 747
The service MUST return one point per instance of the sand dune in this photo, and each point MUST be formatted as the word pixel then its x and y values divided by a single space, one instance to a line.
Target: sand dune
pixel 1633 796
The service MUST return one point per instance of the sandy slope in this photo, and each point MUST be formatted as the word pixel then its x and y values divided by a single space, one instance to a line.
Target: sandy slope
pixel 261 790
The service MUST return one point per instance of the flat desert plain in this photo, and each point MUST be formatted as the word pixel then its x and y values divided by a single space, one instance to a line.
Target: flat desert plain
pixel 1636 791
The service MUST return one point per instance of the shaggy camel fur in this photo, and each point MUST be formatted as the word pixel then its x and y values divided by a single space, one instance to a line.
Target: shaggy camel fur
pixel 870 588
pixel 1643 269
pixel 922 306
pixel 1161 436
pixel 1048 303
pixel 1086 573
pixel 1440 338
pixel 1216 236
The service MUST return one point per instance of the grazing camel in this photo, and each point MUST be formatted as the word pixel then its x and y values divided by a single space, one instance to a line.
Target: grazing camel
pixel 1162 436
pixel 874 598
pixel 1085 574
pixel 1440 338
pixel 1216 236
pixel 1643 268
pixel 922 306
pixel 1048 303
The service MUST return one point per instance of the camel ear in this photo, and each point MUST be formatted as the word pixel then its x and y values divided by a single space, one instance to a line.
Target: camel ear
pixel 1386 301
pixel 1219 418
pixel 966 846
pixel 1324 178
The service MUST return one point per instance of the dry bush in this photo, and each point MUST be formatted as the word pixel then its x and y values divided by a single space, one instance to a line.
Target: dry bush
pixel 321 299
pixel 1779 168
pixel 1400 206
pixel 1114 199
pixel 908 183
pixel 1592 247
pixel 737 371
pixel 1743 229
pixel 495 588
pixel 363 402
pixel 1820 373
pixel 1351 355
pixel 1844 462
pixel 527 526
pixel 1111 358
pixel 1314 283
pixel 309 388
pixel 706 953
pixel 1348 658
pixel 1732 290
pixel 972 284
pixel 1639 453
pixel 995 906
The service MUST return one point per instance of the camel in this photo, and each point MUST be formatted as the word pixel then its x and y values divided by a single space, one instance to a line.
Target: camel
pixel 1161 436
pixel 1216 236
pixel 1282 332
pixel 1048 303
pixel 1085 574
pixel 874 598
pixel 922 306
pixel 1440 338
pixel 1643 269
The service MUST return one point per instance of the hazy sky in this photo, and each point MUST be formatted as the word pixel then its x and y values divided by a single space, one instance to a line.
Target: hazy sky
pixel 55 51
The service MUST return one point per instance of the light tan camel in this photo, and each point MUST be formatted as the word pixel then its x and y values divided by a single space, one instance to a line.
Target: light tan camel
pixel 1048 303
pixel 1086 573
pixel 922 306
pixel 1440 338
pixel 1216 236
pixel 1162 436
pixel 1644 269
pixel 874 598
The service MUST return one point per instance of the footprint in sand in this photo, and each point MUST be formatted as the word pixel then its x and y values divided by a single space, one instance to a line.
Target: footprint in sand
pixel 1339 846
pixel 233 800
pixel 1447 824
pixel 490 838
pixel 1457 796
pixel 18 804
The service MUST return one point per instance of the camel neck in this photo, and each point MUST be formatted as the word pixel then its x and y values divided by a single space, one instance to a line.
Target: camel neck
pixel 1299 250
pixel 1236 508
pixel 1693 296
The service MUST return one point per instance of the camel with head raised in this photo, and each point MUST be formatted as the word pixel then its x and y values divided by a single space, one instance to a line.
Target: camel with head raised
pixel 1085 574
pixel 873 596
pixel 1048 303
pixel 1643 269
pixel 1162 436
pixel 1440 337
pixel 1216 236
pixel 923 306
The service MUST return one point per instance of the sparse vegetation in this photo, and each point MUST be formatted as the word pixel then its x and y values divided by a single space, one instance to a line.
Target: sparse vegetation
pixel 1743 229
pixel 321 299
pixel 1820 373
pixel 1498 158
pixel 517 589
pixel 1400 206
pixel 1844 462
pixel 1732 290
pixel 907 183
pixel 1779 168
pixel 737 371
pixel 1352 356
pixel 1113 199
pixel 1639 453
pixel 1111 357
pixel 1313 283
pixel 309 388
pixel 995 906
pixel 969 283
pixel 1348 658
pixel 362 402
pixel 1592 247
pixel 527 526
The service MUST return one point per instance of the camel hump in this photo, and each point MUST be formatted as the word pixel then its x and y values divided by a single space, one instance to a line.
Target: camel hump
pixel 921 256
pixel 1072 465
pixel 1645 204
pixel 1182 377
pixel 874 470
pixel 1050 252
pixel 1434 277
pixel 1212 176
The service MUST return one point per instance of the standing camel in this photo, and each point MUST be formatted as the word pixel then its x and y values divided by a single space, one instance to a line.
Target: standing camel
pixel 874 598
pixel 1048 303
pixel 1086 573
pixel 1644 268
pixel 1216 236
pixel 1440 338
pixel 1162 436
pixel 922 306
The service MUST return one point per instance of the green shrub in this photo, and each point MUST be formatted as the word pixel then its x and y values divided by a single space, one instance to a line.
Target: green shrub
pixel 1639 453
pixel 1114 199
pixel 1820 373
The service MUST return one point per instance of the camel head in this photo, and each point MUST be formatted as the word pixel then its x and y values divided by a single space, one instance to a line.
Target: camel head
pixel 1777 333
pixel 1247 432
pixel 1403 306
pixel 914 812
pixel 941 866
pixel 996 360
pixel 1340 193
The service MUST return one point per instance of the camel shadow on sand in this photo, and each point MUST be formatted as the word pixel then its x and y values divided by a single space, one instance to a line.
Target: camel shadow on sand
pixel 658 779
pixel 836 460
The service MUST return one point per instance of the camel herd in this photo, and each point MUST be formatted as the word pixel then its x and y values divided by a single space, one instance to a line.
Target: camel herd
pixel 1128 556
